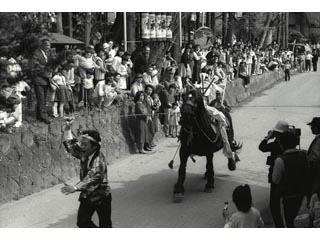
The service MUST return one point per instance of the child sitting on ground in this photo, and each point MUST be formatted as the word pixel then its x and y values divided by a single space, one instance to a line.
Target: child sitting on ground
pixel 246 216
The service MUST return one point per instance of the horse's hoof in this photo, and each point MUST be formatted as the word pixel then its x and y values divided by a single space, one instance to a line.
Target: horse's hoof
pixel 178 197
pixel 208 189
pixel 236 157
pixel 231 164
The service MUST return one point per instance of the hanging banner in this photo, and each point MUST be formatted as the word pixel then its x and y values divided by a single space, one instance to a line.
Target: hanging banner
pixel 152 27
pixel 158 27
pixel 163 26
pixel 168 27
pixel 145 26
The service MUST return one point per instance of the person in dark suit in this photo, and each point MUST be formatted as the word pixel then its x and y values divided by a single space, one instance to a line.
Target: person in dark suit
pixel 42 75
pixel 315 55
pixel 142 61
pixel 313 157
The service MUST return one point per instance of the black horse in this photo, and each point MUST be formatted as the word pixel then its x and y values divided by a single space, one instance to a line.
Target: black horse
pixel 198 138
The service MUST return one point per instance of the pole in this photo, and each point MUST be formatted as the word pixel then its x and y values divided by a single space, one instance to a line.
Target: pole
pixel 180 32
pixel 203 18
pixel 125 31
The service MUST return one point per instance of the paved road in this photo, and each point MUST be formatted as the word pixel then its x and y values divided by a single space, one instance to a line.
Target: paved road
pixel 142 185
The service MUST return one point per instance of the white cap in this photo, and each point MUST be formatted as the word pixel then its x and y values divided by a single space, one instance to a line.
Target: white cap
pixel 105 45
pixel 281 127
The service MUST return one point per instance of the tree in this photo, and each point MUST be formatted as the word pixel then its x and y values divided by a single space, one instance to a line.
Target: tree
pixel 265 30
pixel 70 24
pixel 230 28
pixel 88 26
pixel 224 26
pixel 59 23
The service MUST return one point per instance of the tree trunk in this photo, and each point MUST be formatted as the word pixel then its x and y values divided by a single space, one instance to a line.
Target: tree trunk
pixel 224 27
pixel 230 28
pixel 88 26
pixel 131 33
pixel 207 19
pixel 70 24
pixel 265 30
pixel 117 28
pixel 279 31
pixel 287 29
pixel 269 37
pixel 197 20
pixel 59 23
pixel 213 23
pixel 283 16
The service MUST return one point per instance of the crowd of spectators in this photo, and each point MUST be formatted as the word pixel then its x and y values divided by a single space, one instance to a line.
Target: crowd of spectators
pixel 104 74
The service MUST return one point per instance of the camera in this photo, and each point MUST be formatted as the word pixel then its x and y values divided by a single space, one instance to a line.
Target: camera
pixel 296 132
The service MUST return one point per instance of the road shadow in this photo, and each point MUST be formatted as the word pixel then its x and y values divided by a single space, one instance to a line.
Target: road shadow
pixel 147 202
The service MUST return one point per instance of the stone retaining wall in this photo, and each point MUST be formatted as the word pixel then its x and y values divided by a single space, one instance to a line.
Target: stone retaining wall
pixel 236 93
pixel 34 158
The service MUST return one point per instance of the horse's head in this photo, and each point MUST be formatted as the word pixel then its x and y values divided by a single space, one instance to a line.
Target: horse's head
pixel 192 108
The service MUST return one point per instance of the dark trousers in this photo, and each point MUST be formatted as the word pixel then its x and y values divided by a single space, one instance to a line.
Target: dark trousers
pixel 88 97
pixel 246 79
pixel 86 210
pixel 41 92
pixel 291 207
pixel 315 66
pixel 151 131
pixel 287 75
pixel 275 206
pixel 308 65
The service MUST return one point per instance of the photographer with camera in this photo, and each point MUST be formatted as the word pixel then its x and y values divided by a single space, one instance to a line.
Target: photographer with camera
pixel 93 186
pixel 290 174
pixel 275 148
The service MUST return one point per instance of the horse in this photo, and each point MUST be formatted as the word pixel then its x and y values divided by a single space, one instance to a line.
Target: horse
pixel 198 138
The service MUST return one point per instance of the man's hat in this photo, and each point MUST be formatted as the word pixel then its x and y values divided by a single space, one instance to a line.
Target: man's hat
pixel 281 127
pixel 315 122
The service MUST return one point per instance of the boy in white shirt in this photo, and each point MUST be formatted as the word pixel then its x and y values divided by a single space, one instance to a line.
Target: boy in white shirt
pixel 88 88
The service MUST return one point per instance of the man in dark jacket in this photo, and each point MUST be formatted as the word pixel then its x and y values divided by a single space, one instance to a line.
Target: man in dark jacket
pixel 290 174
pixel 42 75
pixel 313 156
pixel 275 150
pixel 142 61
pixel 315 58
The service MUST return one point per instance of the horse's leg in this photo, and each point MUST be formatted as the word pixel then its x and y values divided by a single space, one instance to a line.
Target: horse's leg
pixel 178 187
pixel 210 173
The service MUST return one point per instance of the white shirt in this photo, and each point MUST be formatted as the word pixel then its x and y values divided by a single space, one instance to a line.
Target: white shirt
pixel 309 56
pixel 88 83
pixel 250 219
